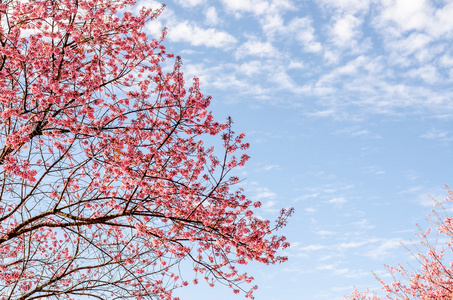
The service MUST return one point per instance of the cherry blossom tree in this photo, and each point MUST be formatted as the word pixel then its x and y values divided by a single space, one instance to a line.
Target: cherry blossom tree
pixel 106 187
pixel 434 278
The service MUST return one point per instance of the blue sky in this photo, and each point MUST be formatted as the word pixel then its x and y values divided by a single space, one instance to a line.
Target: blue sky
pixel 348 106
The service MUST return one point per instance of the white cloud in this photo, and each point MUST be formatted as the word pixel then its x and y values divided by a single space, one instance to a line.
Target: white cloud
pixel 357 131
pixel 254 47
pixel 363 84
pixel 436 134
pixel 442 23
pixel 412 175
pixel 227 76
pixel 296 65
pixel 298 29
pixel 374 170
pixel 269 13
pixel 322 113
pixel 310 209
pixel 197 36
pixel 331 57
pixel 269 204
pixel 190 3
pixel 187 31
pixel 211 16
pixel 256 7
pixel 360 132
pixel 368 84
pixel 271 167
pixel 311 248
pixel 149 4
pixel 307 196
pixel 284 81
pixel 407 46
pixel 446 61
pixel 428 74
pixel 424 23
pixel 347 246
pixel 264 193
pixel 405 14
pixel 385 248
pixel 325 232
pixel 351 68
pixel 302 30
pixel 339 200
pixel 423 196
pixel 411 190
pixel 203 72
pixel 426 55
pixel 250 68
pixel 363 224
pixel 346 30
pixel 327 267
pixel 272 24
pixel 426 201
pixel 346 6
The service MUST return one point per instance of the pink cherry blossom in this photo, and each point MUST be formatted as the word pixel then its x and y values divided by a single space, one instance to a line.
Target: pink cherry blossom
pixel 107 185
pixel 432 279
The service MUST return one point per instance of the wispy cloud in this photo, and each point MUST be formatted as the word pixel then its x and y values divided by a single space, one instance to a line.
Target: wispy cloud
pixel 304 33
pixel 363 224
pixel 311 248
pixel 190 3
pixel 254 47
pixel 256 7
pixel 198 36
pixel 345 31
pixel 264 193
pixel 310 209
pixel 376 170
pixel 212 17
pixel 347 84
pixel 346 6
pixel 338 201
pixel 325 232
pixel 384 248
pixel 436 134
pixel 270 167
